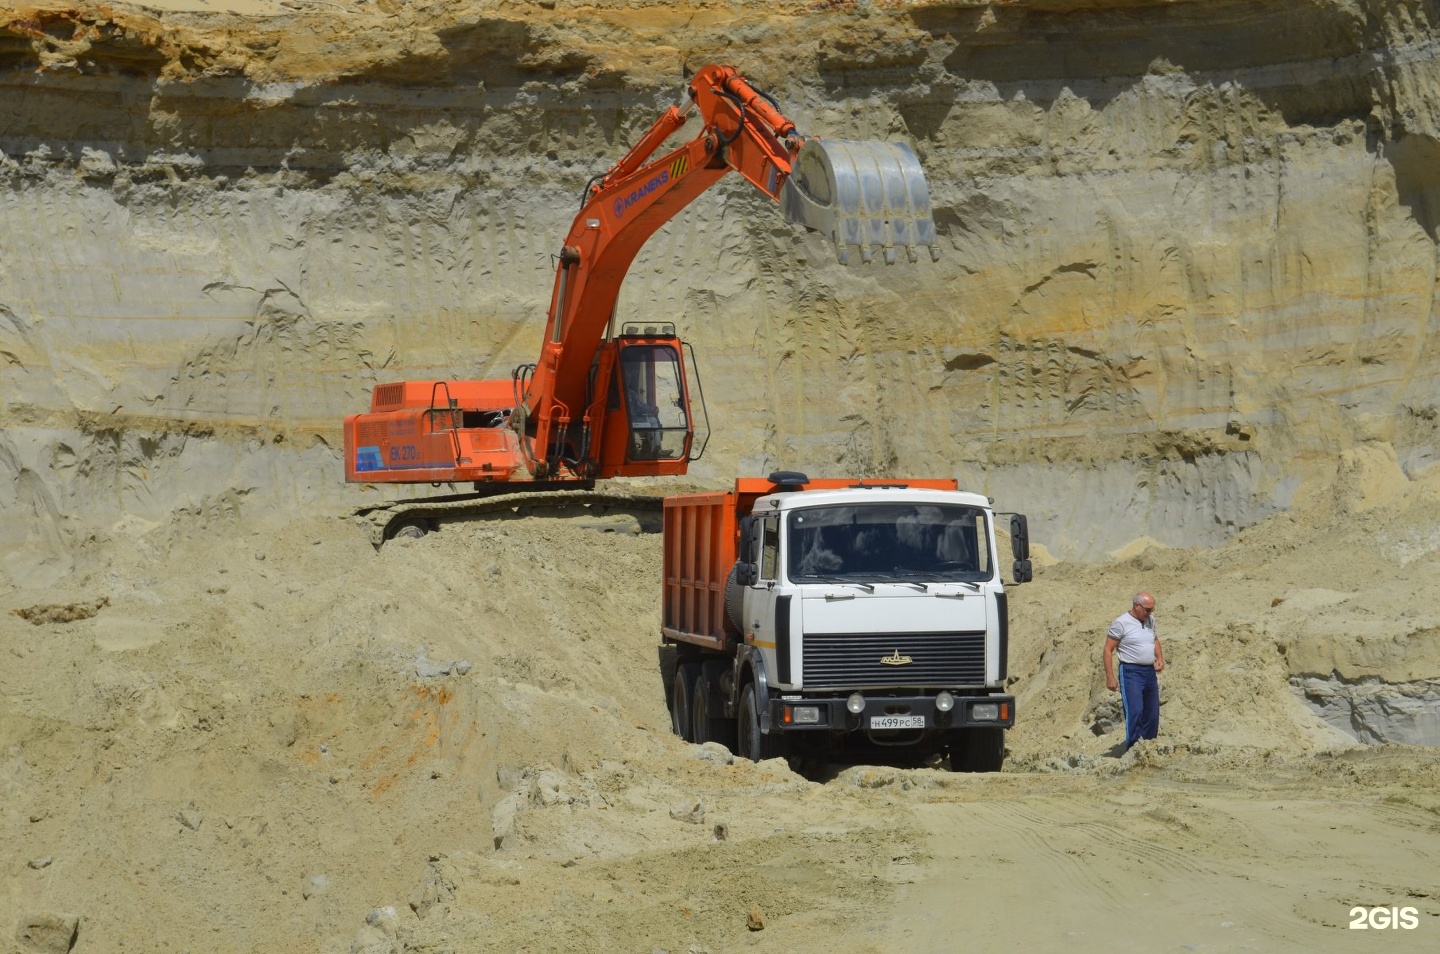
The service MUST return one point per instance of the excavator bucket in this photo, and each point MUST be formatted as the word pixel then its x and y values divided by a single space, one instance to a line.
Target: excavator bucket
pixel 863 194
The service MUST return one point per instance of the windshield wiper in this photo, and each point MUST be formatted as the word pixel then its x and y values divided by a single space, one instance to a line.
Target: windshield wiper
pixel 839 582
pixel 929 576
pixel 902 577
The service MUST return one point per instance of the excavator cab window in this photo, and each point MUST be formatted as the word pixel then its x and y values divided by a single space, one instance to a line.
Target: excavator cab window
pixel 655 402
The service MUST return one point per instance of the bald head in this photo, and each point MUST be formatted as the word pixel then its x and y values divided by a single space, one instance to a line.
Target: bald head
pixel 1142 606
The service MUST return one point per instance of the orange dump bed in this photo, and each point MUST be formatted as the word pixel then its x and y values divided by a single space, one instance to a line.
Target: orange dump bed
pixel 701 537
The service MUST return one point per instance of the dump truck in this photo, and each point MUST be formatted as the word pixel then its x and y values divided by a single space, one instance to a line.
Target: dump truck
pixel 839 619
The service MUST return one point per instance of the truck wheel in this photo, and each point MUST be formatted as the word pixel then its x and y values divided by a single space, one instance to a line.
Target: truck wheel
pixel 752 744
pixel 700 712
pixel 708 715
pixel 681 700
pixel 977 750
pixel 669 659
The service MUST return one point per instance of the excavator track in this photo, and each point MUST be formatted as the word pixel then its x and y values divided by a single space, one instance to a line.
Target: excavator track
pixel 618 512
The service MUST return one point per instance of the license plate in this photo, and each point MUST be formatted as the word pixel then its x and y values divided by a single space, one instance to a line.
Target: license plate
pixel 897 722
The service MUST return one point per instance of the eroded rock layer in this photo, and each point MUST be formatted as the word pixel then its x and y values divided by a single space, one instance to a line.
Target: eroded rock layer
pixel 1189 248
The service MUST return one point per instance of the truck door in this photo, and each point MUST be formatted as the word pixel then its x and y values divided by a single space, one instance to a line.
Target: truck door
pixel 769 610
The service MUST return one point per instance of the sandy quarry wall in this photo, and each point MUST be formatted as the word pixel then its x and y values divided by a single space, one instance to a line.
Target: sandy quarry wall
pixel 1189 248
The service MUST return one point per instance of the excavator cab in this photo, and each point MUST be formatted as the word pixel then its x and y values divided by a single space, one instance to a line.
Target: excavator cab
pixel 649 428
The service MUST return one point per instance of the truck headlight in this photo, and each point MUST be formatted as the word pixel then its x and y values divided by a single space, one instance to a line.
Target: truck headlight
pixel 856 703
pixel 807 715
pixel 985 712
pixel 944 702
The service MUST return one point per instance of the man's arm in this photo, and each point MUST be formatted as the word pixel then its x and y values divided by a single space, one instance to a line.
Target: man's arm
pixel 1159 656
pixel 1111 682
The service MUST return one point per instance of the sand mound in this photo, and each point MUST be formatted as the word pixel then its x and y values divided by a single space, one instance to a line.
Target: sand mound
pixel 256 716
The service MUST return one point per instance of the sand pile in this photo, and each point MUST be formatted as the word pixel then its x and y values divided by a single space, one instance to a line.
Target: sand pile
pixel 255 734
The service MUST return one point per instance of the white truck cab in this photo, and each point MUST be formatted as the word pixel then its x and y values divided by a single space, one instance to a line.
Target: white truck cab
pixel 868 616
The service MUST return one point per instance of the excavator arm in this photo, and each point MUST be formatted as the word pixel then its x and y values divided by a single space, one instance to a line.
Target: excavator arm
pixel 872 195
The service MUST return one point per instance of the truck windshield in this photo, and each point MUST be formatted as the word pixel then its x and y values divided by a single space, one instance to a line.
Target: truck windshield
pixel 926 543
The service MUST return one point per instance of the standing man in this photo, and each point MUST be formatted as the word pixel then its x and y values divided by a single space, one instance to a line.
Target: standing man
pixel 1141 657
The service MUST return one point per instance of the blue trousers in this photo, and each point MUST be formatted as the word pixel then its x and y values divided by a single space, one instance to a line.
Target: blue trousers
pixel 1140 698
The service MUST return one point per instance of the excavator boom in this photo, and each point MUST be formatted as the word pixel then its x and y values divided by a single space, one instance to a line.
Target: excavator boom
pixel 603 401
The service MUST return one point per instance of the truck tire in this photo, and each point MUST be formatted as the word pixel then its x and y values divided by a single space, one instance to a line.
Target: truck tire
pixel 682 693
pixel 668 658
pixel 752 744
pixel 977 750
pixel 707 718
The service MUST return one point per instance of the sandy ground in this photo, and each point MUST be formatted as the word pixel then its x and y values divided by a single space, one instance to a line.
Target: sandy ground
pixel 1156 863
pixel 235 732
pixel 242 729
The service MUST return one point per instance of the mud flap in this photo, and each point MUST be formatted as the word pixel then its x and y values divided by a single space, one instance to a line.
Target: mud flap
pixel 862 194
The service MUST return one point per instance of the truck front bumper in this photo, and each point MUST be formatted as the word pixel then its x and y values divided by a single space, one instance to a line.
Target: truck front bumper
pixel 887 712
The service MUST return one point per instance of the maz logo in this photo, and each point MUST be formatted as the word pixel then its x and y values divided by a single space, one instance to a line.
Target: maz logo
pixel 1362 919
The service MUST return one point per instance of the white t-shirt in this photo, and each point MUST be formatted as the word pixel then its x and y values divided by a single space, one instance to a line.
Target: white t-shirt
pixel 1137 639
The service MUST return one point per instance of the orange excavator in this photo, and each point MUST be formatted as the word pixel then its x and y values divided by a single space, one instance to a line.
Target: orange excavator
pixel 605 401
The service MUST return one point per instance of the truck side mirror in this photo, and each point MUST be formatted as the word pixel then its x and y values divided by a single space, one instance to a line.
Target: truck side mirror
pixel 1020 546
pixel 1020 537
pixel 747 574
pixel 748 527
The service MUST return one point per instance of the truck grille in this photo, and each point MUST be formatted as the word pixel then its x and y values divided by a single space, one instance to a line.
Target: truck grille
pixel 853 660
